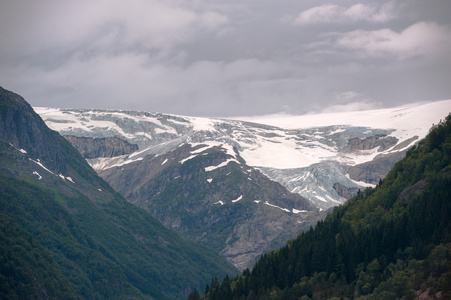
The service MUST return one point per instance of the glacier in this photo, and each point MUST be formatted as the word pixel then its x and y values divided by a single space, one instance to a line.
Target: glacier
pixel 310 154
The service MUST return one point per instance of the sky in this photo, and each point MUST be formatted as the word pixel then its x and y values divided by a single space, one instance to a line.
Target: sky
pixel 225 58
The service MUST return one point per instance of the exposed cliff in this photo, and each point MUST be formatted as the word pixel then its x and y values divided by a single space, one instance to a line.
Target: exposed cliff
pixel 215 199
pixel 101 147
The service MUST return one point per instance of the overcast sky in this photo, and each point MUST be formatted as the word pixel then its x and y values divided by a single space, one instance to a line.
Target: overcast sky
pixel 223 58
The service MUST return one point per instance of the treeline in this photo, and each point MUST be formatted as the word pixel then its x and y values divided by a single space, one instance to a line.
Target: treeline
pixel 390 242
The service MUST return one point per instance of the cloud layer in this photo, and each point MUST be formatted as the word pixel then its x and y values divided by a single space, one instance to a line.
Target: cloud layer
pixel 332 13
pixel 230 58
pixel 420 39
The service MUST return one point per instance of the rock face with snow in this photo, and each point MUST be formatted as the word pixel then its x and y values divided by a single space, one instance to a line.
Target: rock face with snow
pixel 207 194
pixel 96 244
pixel 321 158
pixel 103 147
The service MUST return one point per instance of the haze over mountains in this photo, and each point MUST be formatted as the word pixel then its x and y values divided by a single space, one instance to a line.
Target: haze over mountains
pixel 213 180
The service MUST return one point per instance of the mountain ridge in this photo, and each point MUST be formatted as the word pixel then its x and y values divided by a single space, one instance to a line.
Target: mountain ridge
pixel 104 246
pixel 305 141
pixel 176 156
pixel 388 242
pixel 215 199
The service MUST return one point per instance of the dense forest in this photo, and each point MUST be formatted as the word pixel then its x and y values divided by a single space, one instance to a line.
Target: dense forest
pixel 390 242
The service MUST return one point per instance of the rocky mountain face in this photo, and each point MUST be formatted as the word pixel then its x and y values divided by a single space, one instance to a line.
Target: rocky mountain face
pixel 203 177
pixel 85 239
pixel 372 171
pixel 388 242
pixel 103 147
pixel 208 194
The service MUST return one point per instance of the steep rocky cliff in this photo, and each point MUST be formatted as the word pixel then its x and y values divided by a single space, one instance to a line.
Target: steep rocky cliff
pixel 372 171
pixel 101 147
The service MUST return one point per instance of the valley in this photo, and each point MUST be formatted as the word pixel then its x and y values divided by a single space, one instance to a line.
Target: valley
pixel 242 187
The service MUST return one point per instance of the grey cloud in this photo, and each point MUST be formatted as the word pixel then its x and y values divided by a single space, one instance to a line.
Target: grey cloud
pixel 332 13
pixel 224 58
pixel 420 39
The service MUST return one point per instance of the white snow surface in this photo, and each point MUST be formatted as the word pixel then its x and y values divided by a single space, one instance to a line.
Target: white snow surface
pixel 37 174
pixel 306 154
pixel 237 199
pixel 286 148
pixel 223 164
pixel 38 162
pixel 417 118
pixel 406 122
pixel 272 205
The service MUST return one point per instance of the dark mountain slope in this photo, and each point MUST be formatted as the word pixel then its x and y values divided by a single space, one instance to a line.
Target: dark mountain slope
pixel 104 246
pixel 233 209
pixel 391 242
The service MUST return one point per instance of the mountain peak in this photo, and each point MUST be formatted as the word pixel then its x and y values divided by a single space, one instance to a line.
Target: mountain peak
pixel 24 129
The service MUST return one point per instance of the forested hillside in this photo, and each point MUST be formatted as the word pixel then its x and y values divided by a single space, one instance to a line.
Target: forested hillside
pixel 390 242
pixel 66 234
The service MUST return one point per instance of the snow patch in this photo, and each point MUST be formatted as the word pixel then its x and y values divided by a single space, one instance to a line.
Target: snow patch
pixel 188 158
pixel 223 164
pixel 219 202
pixel 295 211
pixel 104 163
pixel 37 174
pixel 272 205
pixel 38 162
pixel 202 124
pixel 361 183
pixel 206 146
pixel 320 198
pixel 20 150
pixel 238 199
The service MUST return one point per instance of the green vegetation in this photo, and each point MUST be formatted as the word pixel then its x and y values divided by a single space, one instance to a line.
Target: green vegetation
pixel 27 271
pixel 390 242
pixel 108 247
pixel 72 239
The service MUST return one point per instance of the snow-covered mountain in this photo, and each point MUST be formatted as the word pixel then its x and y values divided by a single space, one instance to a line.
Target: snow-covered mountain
pixel 240 186
pixel 325 158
